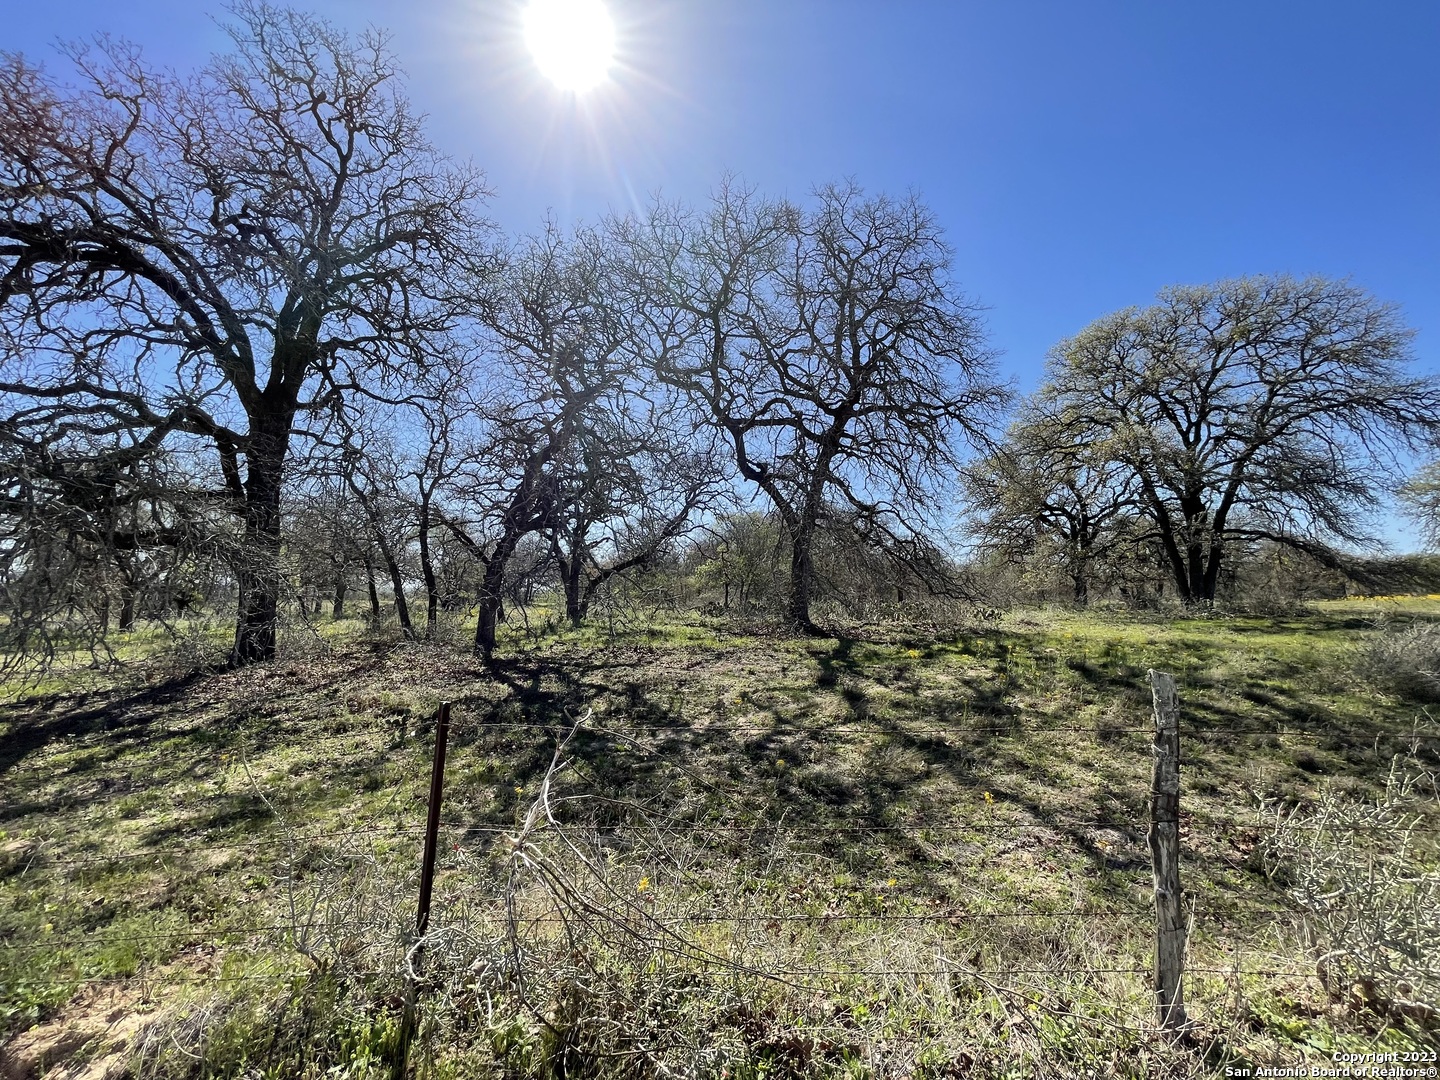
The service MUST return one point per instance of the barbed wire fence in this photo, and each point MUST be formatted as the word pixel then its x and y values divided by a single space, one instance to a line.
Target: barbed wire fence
pixel 597 916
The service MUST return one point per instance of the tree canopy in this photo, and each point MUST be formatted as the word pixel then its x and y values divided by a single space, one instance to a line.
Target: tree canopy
pixel 210 261
pixel 830 347
pixel 257 335
pixel 1264 408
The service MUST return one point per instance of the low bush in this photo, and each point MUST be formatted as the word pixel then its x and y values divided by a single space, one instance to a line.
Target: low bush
pixel 1403 658
pixel 1366 877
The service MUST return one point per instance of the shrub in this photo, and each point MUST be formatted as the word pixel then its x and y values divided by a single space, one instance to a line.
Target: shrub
pixel 1366 877
pixel 1403 658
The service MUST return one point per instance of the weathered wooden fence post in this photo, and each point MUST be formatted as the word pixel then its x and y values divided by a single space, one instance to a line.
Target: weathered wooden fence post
pixel 427 884
pixel 1170 929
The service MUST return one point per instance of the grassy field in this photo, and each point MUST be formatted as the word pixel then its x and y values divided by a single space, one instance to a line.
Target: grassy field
pixel 900 852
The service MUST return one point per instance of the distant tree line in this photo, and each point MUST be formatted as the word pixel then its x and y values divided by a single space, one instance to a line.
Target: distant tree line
pixel 260 345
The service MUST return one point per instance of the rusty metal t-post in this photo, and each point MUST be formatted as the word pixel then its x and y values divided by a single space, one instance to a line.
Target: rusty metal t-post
pixel 432 820
pixel 1170 929
pixel 427 886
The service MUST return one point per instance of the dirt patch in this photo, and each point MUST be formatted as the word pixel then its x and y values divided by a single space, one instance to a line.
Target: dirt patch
pixel 85 1041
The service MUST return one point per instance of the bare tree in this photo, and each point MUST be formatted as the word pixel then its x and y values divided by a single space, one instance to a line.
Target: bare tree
pixel 633 483
pixel 1263 408
pixel 452 417
pixel 326 533
pixel 559 353
pixel 829 347
pixel 216 258
pixel 583 446
pixel 1051 488
pixel 373 473
pixel 93 526
pixel 1420 497
pixel 402 460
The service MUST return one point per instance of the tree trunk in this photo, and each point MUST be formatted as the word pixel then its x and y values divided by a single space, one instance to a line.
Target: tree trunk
pixel 397 583
pixel 802 578
pixel 258 619
pixel 1171 556
pixel 1187 569
pixel 492 585
pixel 127 607
pixel 574 601
pixel 129 591
pixel 427 569
pixel 337 610
pixel 1082 538
pixel 374 591
pixel 1195 573
pixel 800 523
pixel 1174 559
pixel 491 602
pixel 1211 579
pixel 1199 539
pixel 529 510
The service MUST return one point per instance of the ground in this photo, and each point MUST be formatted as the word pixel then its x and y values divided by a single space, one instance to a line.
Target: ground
pixel 900 851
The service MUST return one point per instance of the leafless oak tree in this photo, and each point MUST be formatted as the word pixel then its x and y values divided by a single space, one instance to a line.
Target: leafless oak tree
pixel 1420 496
pixel 1051 488
pixel 1264 408
pixel 212 259
pixel 559 354
pixel 830 348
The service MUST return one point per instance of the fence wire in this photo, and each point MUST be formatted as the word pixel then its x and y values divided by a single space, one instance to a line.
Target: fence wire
pixel 673 927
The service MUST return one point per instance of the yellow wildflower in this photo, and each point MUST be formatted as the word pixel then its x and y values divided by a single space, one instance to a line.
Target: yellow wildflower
pixel 989 798
pixel 643 885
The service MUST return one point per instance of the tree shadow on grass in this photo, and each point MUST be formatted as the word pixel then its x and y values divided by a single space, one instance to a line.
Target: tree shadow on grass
pixel 762 775
pixel 40 722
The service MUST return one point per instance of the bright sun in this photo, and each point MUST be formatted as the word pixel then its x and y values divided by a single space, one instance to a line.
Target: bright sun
pixel 573 41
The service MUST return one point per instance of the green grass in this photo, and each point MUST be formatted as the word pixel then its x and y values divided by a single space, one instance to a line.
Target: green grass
pixel 243 846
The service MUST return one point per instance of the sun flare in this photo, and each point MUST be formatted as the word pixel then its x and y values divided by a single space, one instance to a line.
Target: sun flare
pixel 572 41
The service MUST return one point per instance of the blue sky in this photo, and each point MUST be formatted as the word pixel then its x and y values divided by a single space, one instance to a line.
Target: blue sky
pixel 1079 155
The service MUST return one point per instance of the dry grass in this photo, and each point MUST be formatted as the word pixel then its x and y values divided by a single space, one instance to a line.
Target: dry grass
pixel 890 854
